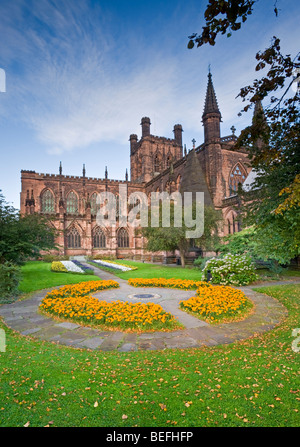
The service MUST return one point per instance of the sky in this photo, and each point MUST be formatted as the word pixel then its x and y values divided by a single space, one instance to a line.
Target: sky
pixel 80 75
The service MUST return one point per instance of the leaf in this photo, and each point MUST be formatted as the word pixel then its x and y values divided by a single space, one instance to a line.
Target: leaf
pixel 27 424
pixel 124 416
pixel 96 404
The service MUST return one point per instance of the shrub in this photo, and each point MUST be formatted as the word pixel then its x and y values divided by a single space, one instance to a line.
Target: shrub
pixel 52 258
pixel 10 276
pixel 200 262
pixel 231 269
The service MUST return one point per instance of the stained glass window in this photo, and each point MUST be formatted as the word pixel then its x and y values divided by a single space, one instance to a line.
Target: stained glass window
pixel 48 202
pixel 72 203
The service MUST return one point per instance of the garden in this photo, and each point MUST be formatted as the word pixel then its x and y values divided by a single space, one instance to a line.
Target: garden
pixel 251 383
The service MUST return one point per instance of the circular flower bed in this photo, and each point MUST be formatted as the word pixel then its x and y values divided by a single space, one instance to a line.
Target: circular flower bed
pixel 217 304
pixel 73 303
pixel 117 315
pixel 173 283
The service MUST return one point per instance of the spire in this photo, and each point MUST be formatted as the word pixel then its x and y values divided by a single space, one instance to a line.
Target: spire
pixel 211 104
pixel 126 175
pixel 211 117
pixel 106 172
pixel 60 169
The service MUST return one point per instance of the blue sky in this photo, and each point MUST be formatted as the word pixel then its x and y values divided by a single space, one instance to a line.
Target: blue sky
pixel 81 74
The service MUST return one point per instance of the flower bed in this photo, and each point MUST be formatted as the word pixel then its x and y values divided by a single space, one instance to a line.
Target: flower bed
pixel 131 317
pixel 114 265
pixel 81 289
pixel 66 266
pixel 217 304
pixel 173 283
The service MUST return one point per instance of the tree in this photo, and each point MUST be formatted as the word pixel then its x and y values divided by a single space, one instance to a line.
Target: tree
pixel 272 139
pixel 174 237
pixel 23 237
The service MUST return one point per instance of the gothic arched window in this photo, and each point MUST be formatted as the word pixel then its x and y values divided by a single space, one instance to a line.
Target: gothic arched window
pixel 73 238
pixel 156 164
pixel 94 205
pixel 72 203
pixel 123 238
pixel 237 176
pixel 47 201
pixel 99 239
pixel 229 226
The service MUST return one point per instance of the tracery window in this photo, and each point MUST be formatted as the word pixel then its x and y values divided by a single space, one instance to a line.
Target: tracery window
pixel 123 238
pixel 237 176
pixel 99 239
pixel 94 205
pixel 72 203
pixel 156 164
pixel 48 202
pixel 73 238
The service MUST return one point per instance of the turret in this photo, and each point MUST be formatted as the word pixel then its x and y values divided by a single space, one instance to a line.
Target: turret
pixel 145 123
pixel 178 133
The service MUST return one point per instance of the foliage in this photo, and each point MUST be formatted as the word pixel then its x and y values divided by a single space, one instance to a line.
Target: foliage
pixel 52 258
pixel 231 269
pixel 23 237
pixel 272 140
pixel 175 237
pixel 10 276
pixel 239 243
pixel 218 303
pixel 201 261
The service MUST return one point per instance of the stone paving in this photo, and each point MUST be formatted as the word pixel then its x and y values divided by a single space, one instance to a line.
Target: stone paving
pixel 24 317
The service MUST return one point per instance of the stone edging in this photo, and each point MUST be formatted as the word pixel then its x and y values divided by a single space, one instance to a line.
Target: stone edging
pixel 23 317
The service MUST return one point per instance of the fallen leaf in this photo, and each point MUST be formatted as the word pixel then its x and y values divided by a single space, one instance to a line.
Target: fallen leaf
pixel 124 416
pixel 96 404
pixel 27 424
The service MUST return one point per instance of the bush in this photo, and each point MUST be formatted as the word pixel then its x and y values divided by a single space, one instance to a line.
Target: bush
pixel 200 262
pixel 52 258
pixel 10 276
pixel 231 269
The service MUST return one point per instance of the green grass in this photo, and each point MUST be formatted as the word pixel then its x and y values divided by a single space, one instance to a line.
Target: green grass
pixel 146 270
pixel 38 275
pixel 249 384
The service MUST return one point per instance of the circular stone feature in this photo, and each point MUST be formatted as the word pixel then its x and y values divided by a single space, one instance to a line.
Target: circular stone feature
pixel 144 295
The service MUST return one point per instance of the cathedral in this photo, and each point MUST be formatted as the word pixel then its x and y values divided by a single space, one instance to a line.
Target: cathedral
pixel 156 164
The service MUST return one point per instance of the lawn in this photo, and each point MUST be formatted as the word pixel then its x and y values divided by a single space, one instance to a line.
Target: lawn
pixel 254 383
pixel 38 275
pixel 147 270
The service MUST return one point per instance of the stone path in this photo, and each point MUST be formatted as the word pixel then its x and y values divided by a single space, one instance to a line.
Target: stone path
pixel 23 317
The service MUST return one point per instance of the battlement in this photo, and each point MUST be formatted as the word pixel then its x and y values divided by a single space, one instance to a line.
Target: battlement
pixel 66 178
